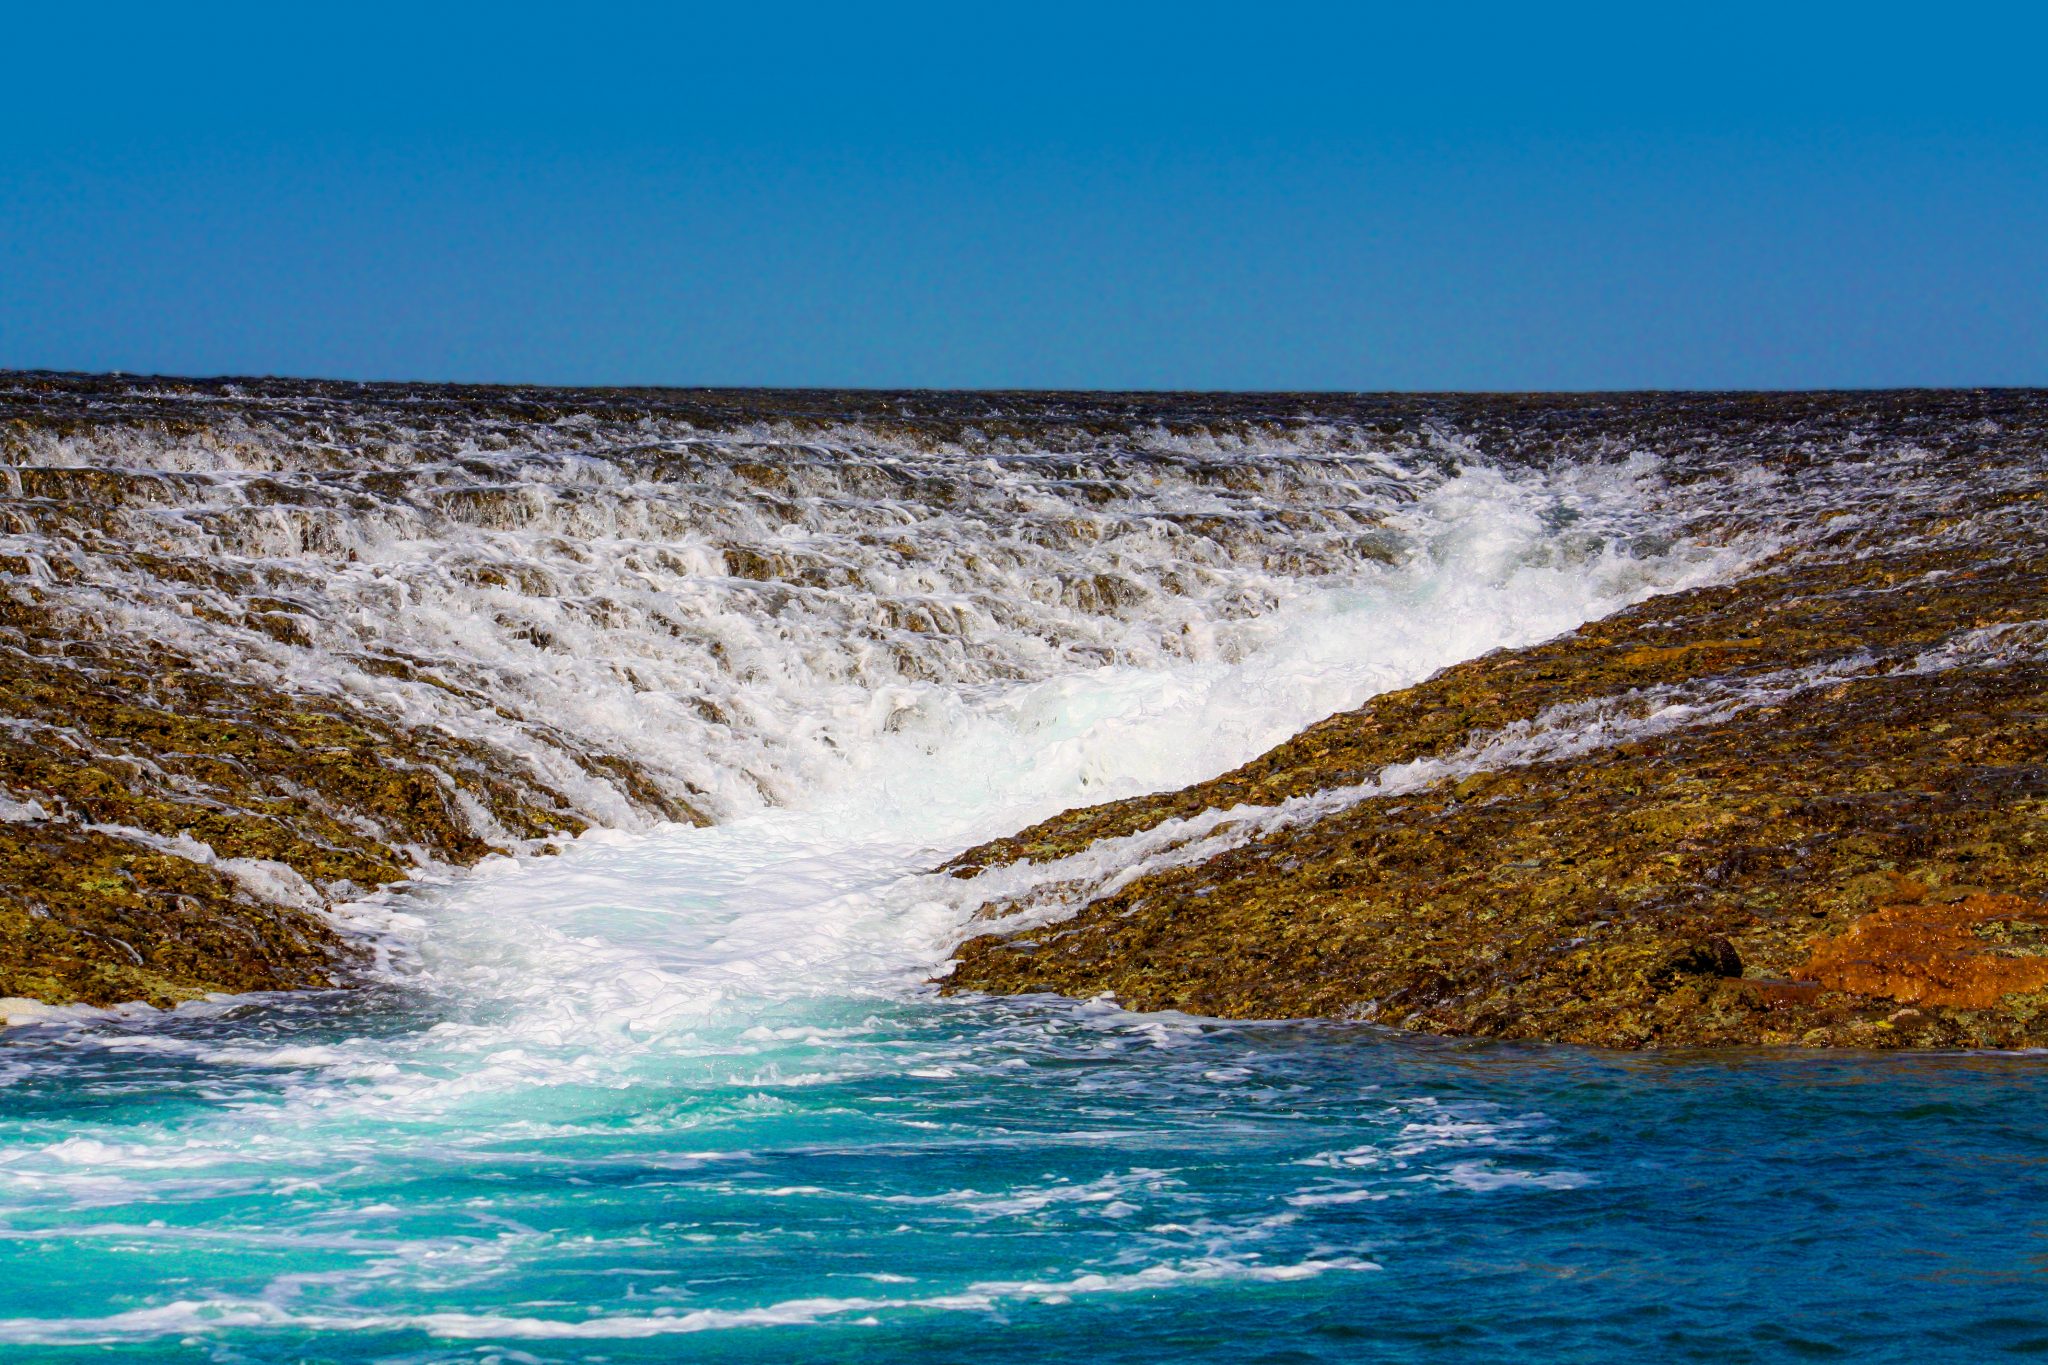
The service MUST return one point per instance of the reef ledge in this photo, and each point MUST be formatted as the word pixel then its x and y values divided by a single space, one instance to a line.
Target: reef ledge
pixel 1806 808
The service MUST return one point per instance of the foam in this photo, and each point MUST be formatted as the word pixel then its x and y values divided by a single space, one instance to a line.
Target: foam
pixel 201 1316
pixel 746 613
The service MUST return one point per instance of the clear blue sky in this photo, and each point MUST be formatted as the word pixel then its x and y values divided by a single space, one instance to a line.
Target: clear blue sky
pixel 1263 195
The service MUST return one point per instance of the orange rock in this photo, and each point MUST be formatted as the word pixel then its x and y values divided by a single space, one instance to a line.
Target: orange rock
pixel 1970 953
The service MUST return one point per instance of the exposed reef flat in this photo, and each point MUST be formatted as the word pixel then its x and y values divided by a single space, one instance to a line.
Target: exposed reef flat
pixel 1809 807
pixel 173 834
pixel 265 646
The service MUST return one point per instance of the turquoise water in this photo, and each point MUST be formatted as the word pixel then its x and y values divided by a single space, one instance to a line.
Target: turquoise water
pixel 1049 1180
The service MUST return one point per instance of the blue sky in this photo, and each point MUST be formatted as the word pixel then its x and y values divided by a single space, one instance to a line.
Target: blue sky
pixel 1196 196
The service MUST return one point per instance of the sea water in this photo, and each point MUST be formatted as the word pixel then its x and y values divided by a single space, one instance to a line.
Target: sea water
pixel 392 1176
pixel 691 1093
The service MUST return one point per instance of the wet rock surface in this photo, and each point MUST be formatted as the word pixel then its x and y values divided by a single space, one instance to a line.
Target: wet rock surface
pixel 171 834
pixel 1809 807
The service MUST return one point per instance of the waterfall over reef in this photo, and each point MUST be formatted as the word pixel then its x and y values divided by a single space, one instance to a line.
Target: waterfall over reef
pixel 510 875
pixel 270 646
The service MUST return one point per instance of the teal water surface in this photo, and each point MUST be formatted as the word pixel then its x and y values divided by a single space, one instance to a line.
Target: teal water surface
pixel 927 1179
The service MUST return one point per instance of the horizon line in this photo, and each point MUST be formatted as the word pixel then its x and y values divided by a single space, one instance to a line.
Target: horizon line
pixel 11 372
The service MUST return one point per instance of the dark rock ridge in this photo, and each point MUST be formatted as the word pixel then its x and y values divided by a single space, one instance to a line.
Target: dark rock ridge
pixel 1843 841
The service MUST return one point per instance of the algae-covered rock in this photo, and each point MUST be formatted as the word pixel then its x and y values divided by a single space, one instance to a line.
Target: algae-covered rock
pixel 1808 807
pixel 168 835
pixel 87 916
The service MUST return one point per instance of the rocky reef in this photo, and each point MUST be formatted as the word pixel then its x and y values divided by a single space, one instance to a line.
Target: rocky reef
pixel 265 646
pixel 1806 807
pixel 171 834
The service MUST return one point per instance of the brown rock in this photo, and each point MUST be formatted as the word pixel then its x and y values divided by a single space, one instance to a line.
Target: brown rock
pixel 1970 952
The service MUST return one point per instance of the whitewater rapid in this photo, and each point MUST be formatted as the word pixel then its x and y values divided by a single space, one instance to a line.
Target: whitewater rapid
pixel 629 940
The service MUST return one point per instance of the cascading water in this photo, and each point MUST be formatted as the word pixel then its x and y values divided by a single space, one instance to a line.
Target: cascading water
pixel 685 1082
pixel 727 610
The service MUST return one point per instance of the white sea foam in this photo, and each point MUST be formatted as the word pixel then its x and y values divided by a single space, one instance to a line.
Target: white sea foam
pixel 750 616
pixel 730 610
pixel 206 1316
pixel 1484 1177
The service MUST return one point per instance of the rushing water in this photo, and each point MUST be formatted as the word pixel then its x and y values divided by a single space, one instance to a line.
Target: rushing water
pixel 686 1092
